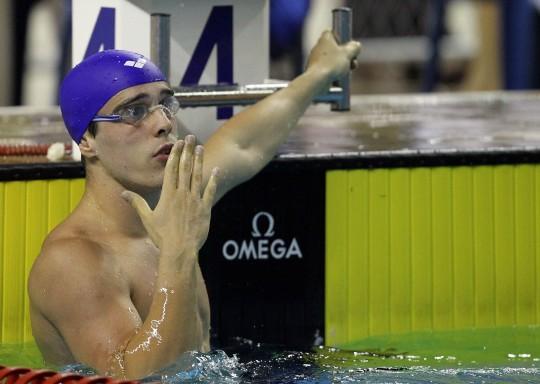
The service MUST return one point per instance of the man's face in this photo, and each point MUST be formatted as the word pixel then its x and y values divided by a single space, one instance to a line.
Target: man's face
pixel 131 152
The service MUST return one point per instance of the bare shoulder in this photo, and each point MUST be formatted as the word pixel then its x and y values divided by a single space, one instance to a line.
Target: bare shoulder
pixel 66 252
pixel 68 263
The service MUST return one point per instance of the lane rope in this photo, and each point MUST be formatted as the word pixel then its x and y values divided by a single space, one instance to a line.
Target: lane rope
pixel 19 375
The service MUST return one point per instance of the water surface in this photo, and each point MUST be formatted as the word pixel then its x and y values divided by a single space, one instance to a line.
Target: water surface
pixel 508 354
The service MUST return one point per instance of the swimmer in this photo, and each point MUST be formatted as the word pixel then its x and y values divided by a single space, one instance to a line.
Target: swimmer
pixel 117 285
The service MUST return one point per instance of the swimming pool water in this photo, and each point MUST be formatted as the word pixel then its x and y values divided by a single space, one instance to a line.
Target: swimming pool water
pixel 510 354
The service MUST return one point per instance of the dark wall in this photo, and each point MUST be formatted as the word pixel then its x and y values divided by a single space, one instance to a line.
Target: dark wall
pixel 273 291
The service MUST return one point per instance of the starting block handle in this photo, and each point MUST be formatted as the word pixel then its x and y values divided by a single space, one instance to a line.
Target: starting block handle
pixel 342 29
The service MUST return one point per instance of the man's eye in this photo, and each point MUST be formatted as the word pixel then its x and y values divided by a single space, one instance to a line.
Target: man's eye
pixel 136 111
pixel 170 103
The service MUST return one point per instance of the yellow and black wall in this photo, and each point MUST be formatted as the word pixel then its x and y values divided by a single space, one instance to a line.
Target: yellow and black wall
pixel 33 200
pixel 338 247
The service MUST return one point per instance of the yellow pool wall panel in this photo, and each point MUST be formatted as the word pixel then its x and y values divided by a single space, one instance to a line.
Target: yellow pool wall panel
pixel 414 249
pixel 29 210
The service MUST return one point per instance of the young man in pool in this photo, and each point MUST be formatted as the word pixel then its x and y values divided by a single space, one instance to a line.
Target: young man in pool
pixel 117 285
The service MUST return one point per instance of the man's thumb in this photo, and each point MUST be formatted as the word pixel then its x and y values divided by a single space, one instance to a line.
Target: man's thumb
pixel 137 202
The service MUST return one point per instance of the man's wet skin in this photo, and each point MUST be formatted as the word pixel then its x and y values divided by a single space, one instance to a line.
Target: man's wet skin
pixel 105 258
pixel 117 285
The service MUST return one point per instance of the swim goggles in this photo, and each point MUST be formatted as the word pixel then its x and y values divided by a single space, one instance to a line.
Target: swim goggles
pixel 135 113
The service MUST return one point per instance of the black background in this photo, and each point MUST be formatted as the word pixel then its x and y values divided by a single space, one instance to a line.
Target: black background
pixel 269 301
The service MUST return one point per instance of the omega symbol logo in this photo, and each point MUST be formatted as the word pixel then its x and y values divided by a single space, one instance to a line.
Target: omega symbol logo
pixel 263 245
pixel 255 224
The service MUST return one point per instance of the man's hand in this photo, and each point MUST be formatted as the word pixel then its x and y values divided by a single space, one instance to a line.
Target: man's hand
pixel 181 219
pixel 250 139
pixel 327 55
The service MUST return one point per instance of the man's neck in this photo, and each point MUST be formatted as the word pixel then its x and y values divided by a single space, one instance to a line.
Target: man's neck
pixel 102 199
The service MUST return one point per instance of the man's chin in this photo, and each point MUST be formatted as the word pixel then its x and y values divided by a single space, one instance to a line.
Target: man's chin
pixel 151 184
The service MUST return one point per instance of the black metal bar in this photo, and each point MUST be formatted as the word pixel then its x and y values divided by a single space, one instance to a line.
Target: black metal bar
pixel 230 95
pixel 160 41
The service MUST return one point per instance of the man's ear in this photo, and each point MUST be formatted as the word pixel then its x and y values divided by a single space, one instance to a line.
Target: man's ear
pixel 88 146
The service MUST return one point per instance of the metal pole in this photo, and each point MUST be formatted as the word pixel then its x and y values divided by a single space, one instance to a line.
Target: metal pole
pixel 231 95
pixel 160 41
pixel 342 28
pixel 431 73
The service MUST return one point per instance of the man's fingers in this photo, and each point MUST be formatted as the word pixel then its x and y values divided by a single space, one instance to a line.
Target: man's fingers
pixel 328 34
pixel 186 163
pixel 170 178
pixel 353 49
pixel 211 188
pixel 138 203
pixel 196 177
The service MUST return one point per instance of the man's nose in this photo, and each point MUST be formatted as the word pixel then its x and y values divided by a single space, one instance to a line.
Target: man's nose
pixel 162 123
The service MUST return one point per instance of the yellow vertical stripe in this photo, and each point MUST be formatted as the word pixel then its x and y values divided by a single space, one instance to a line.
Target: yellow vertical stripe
pixel 484 246
pixel 379 257
pixel 462 220
pixel 357 272
pixel 76 191
pixel 504 246
pixel 443 268
pixel 421 261
pixel 36 230
pixel 59 202
pixel 3 219
pixel 525 244
pixel 14 273
pixel 537 239
pixel 400 250
pixel 336 319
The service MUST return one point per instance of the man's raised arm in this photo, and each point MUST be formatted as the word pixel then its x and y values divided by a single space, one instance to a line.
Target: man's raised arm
pixel 249 140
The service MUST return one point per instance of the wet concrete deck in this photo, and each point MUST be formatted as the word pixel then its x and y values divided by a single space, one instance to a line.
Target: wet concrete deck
pixel 420 124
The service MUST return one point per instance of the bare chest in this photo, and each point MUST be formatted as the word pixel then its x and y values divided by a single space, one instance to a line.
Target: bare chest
pixel 142 276
pixel 141 270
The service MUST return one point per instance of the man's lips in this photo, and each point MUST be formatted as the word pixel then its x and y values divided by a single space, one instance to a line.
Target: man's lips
pixel 165 149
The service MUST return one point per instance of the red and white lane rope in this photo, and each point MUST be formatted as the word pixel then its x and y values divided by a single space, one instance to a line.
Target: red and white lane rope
pixel 30 149
pixel 17 375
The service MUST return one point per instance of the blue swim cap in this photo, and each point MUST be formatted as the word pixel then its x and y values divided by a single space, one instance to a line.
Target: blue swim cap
pixel 91 83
